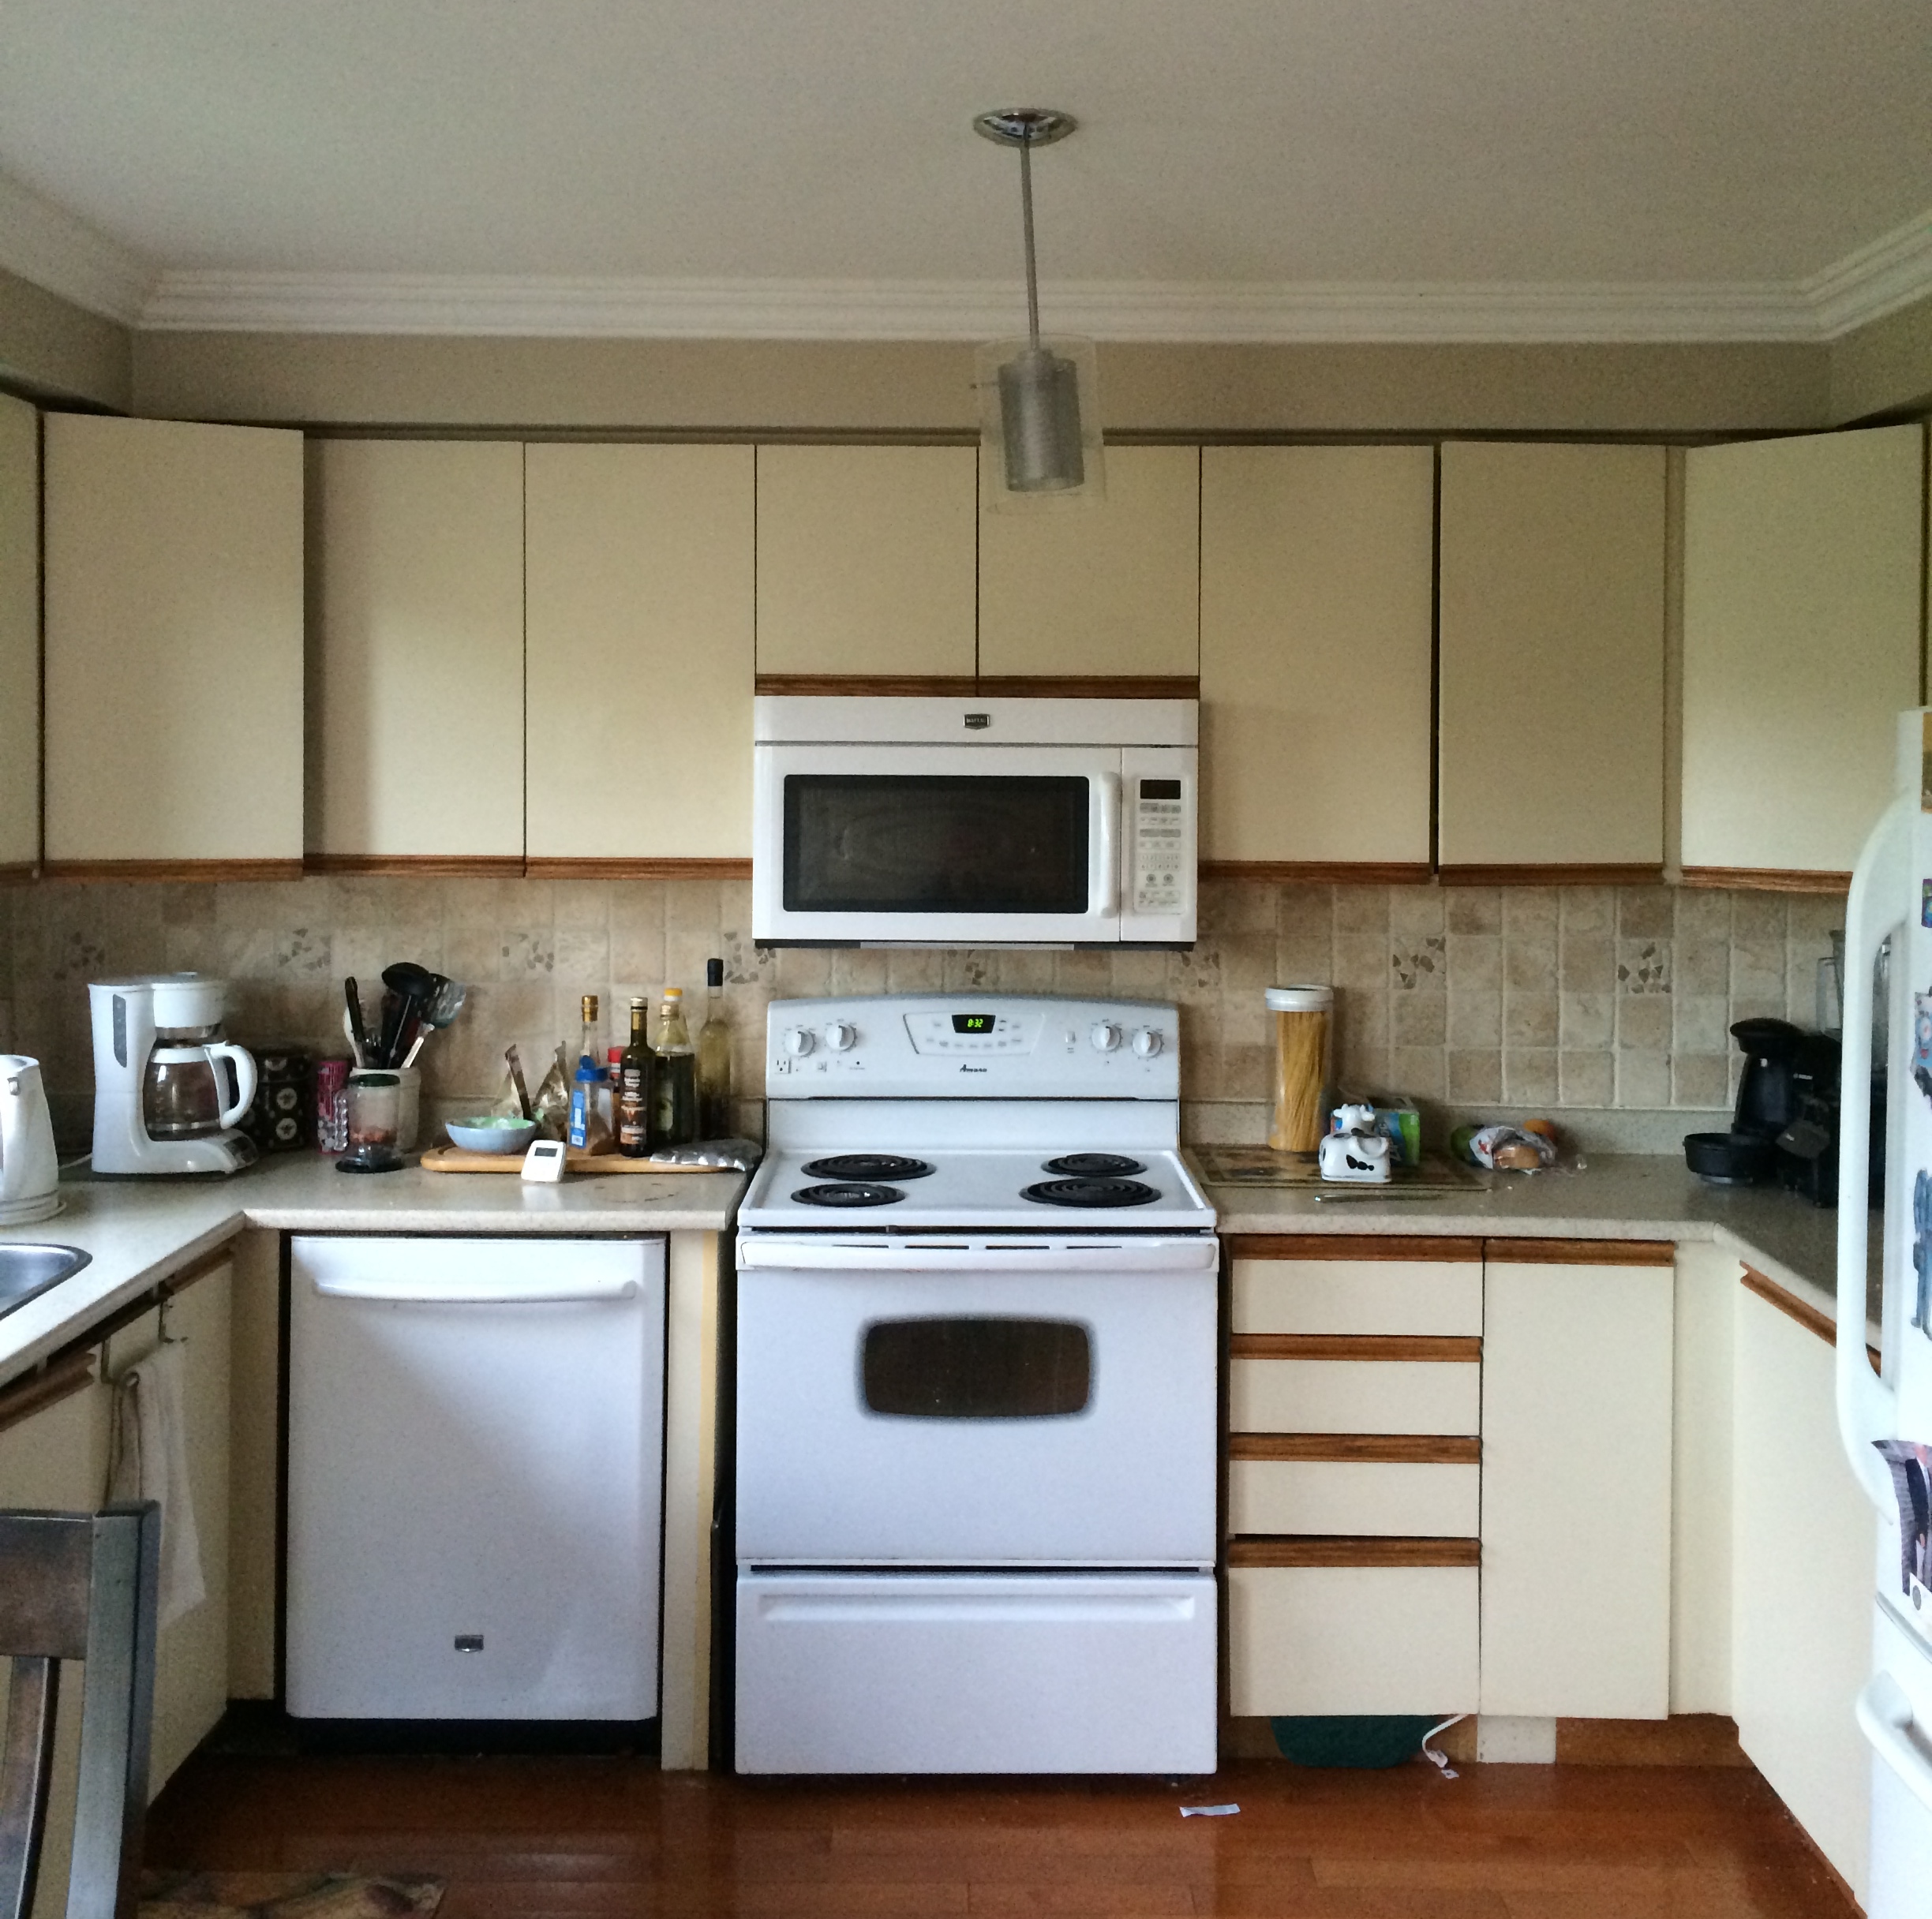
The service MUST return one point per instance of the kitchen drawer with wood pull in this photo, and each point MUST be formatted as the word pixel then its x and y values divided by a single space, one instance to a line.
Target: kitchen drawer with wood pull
pixel 1286 1385
pixel 1302 1286
pixel 1352 1639
pixel 1381 1498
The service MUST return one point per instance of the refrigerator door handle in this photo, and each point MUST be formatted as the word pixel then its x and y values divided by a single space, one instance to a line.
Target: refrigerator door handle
pixel 1884 1716
pixel 1867 1408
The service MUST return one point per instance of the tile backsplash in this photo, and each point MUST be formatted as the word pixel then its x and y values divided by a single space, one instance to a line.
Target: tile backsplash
pixel 1580 998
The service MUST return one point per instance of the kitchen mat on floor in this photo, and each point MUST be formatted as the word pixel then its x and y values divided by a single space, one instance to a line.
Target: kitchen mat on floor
pixel 287 1895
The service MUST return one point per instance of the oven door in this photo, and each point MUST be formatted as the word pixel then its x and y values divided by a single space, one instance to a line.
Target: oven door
pixel 936 845
pixel 897 1411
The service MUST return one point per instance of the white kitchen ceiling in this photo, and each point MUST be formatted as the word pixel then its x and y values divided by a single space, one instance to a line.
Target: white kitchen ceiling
pixel 1245 169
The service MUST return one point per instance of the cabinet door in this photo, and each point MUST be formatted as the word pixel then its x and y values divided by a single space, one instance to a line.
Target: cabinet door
pixel 1801 643
pixel 1803 1542
pixel 1317 610
pixel 640 634
pixel 1108 591
pixel 1551 744
pixel 416 653
pixel 865 561
pixel 20 638
pixel 1576 1495
pixel 174 646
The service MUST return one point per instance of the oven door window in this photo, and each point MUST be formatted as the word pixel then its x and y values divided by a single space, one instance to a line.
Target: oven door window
pixel 918 843
pixel 977 1368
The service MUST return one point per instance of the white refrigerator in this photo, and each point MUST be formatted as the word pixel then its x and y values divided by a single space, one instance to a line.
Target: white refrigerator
pixel 1885 1419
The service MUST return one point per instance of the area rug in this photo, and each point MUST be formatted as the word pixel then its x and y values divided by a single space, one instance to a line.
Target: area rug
pixel 285 1895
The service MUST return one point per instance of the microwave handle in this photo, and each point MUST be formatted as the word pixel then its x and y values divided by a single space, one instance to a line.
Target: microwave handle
pixel 1103 877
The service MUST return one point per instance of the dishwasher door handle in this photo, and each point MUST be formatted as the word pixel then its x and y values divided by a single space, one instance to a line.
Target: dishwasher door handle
pixel 381 1289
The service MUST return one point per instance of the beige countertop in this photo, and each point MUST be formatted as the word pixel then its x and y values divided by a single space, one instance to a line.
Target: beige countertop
pixel 141 1230
pixel 1609 1196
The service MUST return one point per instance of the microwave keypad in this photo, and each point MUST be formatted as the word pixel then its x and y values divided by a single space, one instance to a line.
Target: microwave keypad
pixel 1158 877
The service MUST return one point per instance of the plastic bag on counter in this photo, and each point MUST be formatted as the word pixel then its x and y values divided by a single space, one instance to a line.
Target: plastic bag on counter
pixel 1507 1149
pixel 743 1154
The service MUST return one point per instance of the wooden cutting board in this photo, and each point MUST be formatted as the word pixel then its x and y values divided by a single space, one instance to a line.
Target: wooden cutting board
pixel 456 1159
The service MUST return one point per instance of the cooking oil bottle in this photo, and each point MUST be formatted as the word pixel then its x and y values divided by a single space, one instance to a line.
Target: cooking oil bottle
pixel 674 1078
pixel 714 1092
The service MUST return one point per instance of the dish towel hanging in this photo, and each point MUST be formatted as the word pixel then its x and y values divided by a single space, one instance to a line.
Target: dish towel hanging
pixel 150 1461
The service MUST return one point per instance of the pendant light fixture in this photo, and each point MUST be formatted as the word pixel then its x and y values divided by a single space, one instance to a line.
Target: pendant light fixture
pixel 1040 415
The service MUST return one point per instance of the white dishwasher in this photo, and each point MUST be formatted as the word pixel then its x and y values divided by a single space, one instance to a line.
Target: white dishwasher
pixel 475 1448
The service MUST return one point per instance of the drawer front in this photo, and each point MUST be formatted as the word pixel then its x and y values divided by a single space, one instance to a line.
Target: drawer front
pixel 1380 1499
pixel 1355 1396
pixel 1352 1639
pixel 1358 1296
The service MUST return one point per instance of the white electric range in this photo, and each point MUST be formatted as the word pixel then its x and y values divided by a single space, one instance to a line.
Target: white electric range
pixel 977 1378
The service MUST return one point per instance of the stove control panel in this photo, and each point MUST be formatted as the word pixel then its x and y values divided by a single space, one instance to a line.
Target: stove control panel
pixel 972 1045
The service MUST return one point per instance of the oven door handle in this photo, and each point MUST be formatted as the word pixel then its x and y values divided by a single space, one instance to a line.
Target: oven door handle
pixel 966 1254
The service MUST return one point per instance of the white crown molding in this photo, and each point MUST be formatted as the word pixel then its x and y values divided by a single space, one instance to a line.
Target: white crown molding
pixel 226 301
pixel 59 251
pixel 1892 271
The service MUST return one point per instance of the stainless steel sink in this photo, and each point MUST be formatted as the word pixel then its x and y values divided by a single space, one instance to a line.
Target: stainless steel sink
pixel 28 1271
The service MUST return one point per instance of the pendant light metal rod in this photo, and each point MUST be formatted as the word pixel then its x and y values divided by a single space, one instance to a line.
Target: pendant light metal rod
pixel 1026 217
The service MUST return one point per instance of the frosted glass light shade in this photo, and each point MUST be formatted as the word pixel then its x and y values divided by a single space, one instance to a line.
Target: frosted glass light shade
pixel 1039 426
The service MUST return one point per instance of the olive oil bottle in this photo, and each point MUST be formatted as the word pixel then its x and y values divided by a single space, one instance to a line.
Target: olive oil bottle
pixel 674 1076
pixel 634 1087
pixel 714 1091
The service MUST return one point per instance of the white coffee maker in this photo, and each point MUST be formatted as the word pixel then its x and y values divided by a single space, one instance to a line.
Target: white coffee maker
pixel 163 1099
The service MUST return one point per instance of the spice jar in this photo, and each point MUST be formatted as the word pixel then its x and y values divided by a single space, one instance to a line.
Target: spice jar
pixel 1304 1028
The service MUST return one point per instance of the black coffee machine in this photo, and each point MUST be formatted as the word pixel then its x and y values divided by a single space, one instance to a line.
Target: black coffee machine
pixel 1786 1123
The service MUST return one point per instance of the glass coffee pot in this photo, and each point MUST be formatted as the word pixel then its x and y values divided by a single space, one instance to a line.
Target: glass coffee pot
pixel 197 1082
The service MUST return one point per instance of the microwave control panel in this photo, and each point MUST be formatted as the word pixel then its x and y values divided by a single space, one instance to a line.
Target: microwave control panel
pixel 1160 826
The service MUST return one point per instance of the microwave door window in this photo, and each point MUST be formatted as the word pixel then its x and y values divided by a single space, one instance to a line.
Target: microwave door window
pixel 898 842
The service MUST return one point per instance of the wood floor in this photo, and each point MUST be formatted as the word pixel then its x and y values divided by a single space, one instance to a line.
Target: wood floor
pixel 524 1836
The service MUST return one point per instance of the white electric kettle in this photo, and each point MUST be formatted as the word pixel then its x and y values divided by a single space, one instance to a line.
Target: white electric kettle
pixel 29 1173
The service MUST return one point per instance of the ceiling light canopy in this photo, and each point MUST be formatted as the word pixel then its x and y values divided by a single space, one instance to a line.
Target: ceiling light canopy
pixel 1039 413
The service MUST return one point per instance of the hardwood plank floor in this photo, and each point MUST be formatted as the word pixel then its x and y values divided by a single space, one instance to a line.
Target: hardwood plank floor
pixel 527 1838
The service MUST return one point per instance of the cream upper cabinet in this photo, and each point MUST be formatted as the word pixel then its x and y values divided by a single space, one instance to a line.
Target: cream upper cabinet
pixel 173 644
pixel 1112 589
pixel 1317 592
pixel 416 650
pixel 1801 636
pixel 866 560
pixel 1576 1484
pixel 639 562
pixel 1551 633
pixel 20 637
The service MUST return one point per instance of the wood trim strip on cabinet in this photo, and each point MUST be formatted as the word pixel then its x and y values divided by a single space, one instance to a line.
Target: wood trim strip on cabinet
pixel 13 874
pixel 420 865
pixel 1792 1308
pixel 1580 1252
pixel 555 869
pixel 1344 1549
pixel 1320 872
pixel 1348 1246
pixel 865 685
pixel 1604 873
pixel 1767 880
pixel 1402 1346
pixel 1088 686
pixel 1388 1448
pixel 190 871
pixel 155 1297
pixel 63 1377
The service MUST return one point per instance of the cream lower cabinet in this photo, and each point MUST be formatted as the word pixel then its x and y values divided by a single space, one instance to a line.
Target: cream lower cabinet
pixel 639 634
pixel 1550 733
pixel 416 652
pixel 1317 587
pixel 1803 623
pixel 57 1457
pixel 20 638
pixel 173 648
pixel 1353 1476
pixel 1803 1542
pixel 1576 1506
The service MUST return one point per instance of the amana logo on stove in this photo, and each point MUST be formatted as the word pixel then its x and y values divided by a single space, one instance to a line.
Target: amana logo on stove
pixel 972 1069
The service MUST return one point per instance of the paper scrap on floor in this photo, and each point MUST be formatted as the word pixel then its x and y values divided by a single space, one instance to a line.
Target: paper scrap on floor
pixel 1207 1812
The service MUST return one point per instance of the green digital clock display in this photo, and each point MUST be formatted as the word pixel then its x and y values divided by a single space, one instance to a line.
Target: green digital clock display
pixel 972 1022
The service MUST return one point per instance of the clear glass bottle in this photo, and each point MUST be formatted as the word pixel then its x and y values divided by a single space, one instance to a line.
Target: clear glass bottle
pixel 714 1090
pixel 634 1087
pixel 674 1076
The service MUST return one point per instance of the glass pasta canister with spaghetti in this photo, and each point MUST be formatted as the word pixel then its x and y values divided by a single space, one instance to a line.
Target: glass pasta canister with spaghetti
pixel 1304 1065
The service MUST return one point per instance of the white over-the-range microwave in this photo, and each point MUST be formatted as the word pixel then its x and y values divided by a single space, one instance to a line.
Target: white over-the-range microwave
pixel 971 822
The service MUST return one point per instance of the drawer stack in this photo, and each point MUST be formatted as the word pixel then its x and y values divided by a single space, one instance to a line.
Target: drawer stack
pixel 1354 1468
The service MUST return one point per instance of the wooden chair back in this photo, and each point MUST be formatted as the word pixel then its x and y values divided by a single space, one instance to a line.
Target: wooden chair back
pixel 78 1586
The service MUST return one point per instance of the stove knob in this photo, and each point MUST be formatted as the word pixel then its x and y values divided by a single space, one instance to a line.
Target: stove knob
pixel 1146 1042
pixel 840 1037
pixel 1106 1036
pixel 800 1041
